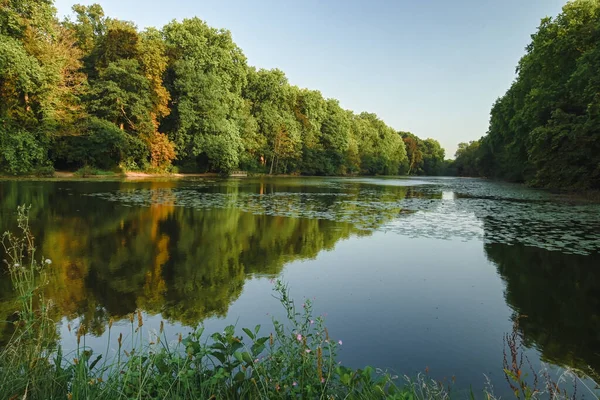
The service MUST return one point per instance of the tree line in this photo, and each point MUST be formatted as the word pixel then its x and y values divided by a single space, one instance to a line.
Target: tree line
pixel 95 91
pixel 546 129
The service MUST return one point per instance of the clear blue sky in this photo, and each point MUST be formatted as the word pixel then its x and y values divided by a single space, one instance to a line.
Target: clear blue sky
pixel 432 67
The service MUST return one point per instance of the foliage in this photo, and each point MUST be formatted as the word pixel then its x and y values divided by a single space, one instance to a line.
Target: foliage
pixel 21 151
pixel 188 83
pixel 122 95
pixel 381 149
pixel 19 16
pixel 544 130
pixel 162 151
pixel 44 171
pixel 30 345
pixel 425 157
pixel 468 158
pixel 20 77
pixel 206 74
pixel 87 171
pixel 102 145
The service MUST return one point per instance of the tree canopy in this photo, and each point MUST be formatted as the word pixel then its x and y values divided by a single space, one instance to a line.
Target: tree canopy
pixel 95 90
pixel 546 129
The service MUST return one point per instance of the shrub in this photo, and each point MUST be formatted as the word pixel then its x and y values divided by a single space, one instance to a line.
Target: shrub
pixel 251 163
pixel 88 171
pixel 21 151
pixel 162 151
pixel 102 145
pixel 46 171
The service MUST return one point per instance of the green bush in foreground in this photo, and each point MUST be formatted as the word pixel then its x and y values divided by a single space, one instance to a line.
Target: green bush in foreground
pixel 297 360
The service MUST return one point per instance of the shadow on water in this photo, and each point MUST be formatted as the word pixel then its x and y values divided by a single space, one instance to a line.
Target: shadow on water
pixel 559 297
pixel 185 249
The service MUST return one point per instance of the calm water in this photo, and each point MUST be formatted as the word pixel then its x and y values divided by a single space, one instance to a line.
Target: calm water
pixel 410 273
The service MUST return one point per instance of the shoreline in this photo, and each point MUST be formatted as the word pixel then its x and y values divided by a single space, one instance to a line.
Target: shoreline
pixel 575 196
pixel 68 175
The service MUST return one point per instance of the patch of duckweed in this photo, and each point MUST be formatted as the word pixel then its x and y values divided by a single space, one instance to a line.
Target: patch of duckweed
pixel 440 208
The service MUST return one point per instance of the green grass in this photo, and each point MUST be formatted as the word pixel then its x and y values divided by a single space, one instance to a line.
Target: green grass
pixel 295 359
pixel 87 171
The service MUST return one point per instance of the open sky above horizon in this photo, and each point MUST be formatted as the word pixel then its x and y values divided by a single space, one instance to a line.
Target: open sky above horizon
pixel 431 67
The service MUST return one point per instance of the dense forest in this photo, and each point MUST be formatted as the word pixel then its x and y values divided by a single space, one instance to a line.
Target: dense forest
pixel 96 91
pixel 546 129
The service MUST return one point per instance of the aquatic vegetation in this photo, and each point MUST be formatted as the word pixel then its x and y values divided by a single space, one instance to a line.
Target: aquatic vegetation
pixel 475 209
pixel 297 358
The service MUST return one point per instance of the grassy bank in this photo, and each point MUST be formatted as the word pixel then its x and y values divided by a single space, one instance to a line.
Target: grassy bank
pixel 296 358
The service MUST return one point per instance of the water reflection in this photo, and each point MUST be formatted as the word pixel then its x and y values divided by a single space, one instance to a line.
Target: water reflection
pixel 559 297
pixel 167 256
pixel 186 249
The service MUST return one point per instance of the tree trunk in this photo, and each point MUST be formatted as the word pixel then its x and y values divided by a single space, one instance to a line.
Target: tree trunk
pixel 274 153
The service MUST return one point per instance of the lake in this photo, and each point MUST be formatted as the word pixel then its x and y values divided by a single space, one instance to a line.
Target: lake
pixel 411 273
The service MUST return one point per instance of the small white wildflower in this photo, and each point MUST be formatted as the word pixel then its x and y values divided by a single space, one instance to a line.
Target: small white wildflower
pixel 48 261
pixel 17 265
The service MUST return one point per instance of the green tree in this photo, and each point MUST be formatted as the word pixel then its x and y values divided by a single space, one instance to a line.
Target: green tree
pixel 20 79
pixel 184 91
pixel 19 18
pixel 122 95
pixel 382 150
pixel 90 25
pixel 414 152
pixel 272 102
pixel 433 157
pixel 544 130
pixel 467 159
pixel 206 74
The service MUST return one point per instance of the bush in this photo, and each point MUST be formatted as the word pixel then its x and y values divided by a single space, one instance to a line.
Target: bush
pixel 46 171
pixel 162 151
pixel 251 163
pixel 88 171
pixel 102 145
pixel 21 151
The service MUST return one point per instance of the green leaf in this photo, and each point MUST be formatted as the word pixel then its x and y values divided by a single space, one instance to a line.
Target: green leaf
pixel 249 333
pixel 93 364
pixel 219 356
pixel 238 356
pixel 218 346
pixel 239 377
pixel 236 346
pixel 247 358
pixel 257 348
